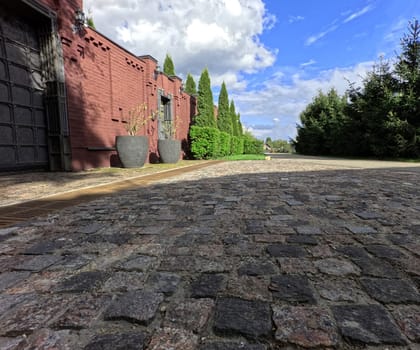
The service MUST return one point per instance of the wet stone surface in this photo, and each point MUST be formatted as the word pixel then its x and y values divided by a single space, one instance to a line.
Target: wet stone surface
pixel 290 254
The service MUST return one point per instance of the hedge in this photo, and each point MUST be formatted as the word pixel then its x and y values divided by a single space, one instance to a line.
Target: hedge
pixel 204 142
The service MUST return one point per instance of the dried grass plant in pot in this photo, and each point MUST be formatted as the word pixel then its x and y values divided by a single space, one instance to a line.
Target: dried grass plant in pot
pixel 132 148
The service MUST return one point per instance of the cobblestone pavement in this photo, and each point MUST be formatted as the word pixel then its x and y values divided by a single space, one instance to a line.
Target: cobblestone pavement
pixel 280 254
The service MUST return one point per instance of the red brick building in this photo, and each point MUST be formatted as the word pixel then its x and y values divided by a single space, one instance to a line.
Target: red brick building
pixel 65 90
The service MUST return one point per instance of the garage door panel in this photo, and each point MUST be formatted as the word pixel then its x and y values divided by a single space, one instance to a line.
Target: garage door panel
pixel 3 72
pixel 39 117
pixel 41 137
pixel 42 153
pixel 21 95
pixel 38 98
pixel 27 154
pixel 36 80
pixel 23 115
pixel 4 92
pixel 25 135
pixel 6 135
pixel 23 126
pixel 5 115
pixel 16 53
pixel 34 60
pixel 19 75
pixel 8 155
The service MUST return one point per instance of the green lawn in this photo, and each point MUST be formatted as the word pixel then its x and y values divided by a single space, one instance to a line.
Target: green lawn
pixel 244 157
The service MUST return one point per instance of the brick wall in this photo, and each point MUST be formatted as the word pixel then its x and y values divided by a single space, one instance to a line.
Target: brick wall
pixel 103 82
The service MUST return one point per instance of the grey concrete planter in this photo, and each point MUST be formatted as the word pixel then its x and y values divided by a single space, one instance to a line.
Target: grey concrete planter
pixel 132 150
pixel 169 150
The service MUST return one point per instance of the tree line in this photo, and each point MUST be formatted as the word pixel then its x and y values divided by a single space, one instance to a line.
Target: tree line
pixel 380 119
pixel 214 134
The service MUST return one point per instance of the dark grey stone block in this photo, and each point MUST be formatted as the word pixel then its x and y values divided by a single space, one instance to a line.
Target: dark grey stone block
pixel 367 324
pixel 251 319
pixel 391 290
pixel 292 288
pixel 135 306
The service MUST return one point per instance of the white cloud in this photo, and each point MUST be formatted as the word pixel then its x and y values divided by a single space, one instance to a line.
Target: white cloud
pixel 357 14
pixel 308 63
pixel 277 105
pixel 222 35
pixel 314 38
pixel 293 19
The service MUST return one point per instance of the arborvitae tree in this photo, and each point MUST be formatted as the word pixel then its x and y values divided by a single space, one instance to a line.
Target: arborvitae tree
pixel 190 87
pixel 224 120
pixel 89 19
pixel 168 66
pixel 205 105
pixel 90 23
pixel 240 128
pixel 234 119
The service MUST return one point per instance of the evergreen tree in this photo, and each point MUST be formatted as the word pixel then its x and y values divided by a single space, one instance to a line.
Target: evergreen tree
pixel 234 119
pixel 168 66
pixel 89 19
pixel 205 105
pixel 408 70
pixel 322 124
pixel 190 87
pixel 224 119
pixel 240 128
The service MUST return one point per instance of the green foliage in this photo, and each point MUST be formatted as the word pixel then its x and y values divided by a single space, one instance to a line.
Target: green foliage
pixel 224 119
pixel 237 145
pixel 224 144
pixel 235 120
pixel 321 122
pixel 168 66
pixel 244 157
pixel 90 23
pixel 251 144
pixel 204 142
pixel 205 106
pixel 190 86
pixel 280 146
pixel 380 119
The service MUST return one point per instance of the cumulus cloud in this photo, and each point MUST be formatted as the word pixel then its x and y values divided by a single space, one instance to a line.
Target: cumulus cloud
pixel 278 104
pixel 222 35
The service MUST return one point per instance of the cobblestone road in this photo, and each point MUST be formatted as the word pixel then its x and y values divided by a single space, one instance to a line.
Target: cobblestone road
pixel 287 253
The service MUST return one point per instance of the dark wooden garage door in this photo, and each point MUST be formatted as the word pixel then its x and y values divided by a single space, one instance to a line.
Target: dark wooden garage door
pixel 23 126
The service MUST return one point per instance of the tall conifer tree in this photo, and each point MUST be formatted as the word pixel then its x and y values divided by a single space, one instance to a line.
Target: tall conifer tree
pixel 205 105
pixel 190 86
pixel 168 66
pixel 224 120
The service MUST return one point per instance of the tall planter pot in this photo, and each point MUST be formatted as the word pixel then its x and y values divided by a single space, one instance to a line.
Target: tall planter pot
pixel 169 150
pixel 132 150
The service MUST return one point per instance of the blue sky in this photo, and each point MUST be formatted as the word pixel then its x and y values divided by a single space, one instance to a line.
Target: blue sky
pixel 274 55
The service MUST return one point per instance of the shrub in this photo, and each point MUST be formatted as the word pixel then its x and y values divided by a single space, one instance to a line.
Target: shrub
pixel 204 142
pixel 252 145
pixel 237 145
pixel 224 143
